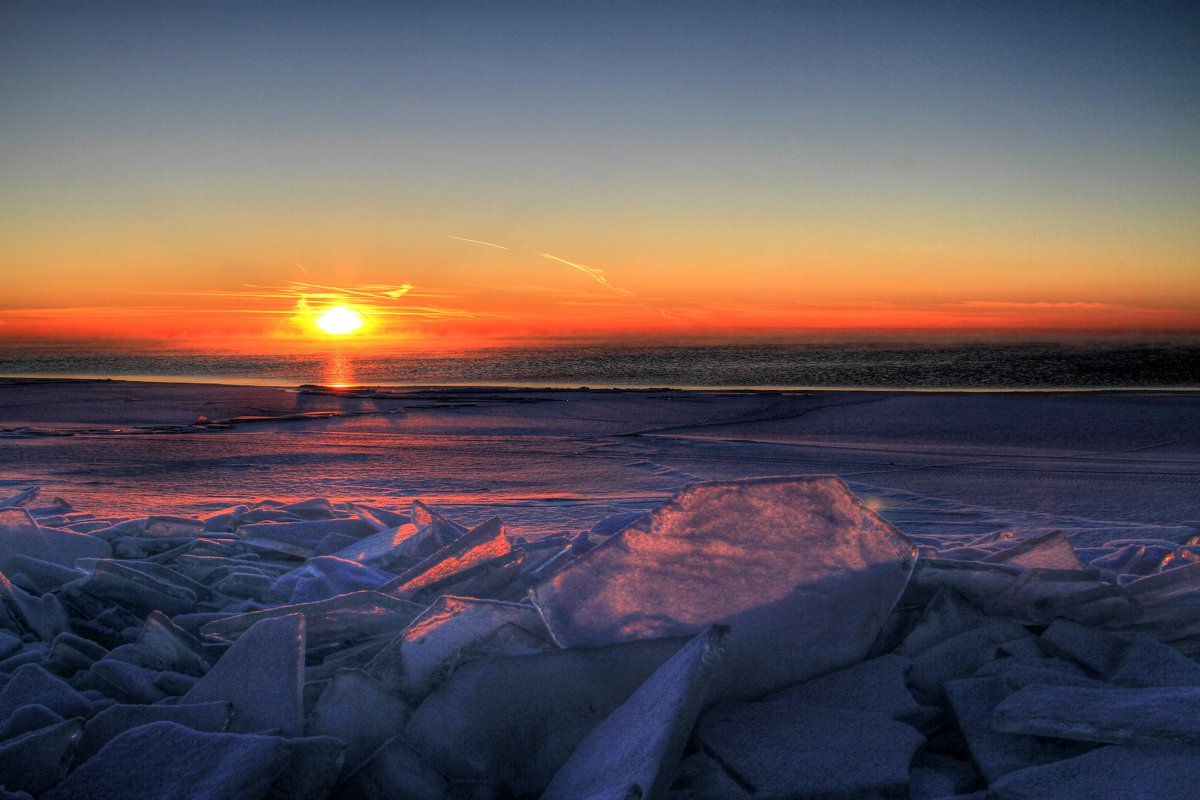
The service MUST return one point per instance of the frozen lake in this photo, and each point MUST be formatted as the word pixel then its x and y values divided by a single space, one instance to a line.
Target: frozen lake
pixel 554 460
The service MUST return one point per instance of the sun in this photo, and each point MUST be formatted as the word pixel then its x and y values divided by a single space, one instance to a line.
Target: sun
pixel 340 321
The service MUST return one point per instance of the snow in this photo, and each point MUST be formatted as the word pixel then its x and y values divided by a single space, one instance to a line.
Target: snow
pixel 994 595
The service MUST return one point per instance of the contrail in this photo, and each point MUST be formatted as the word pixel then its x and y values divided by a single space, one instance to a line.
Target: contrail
pixel 474 241
pixel 597 275
pixel 592 272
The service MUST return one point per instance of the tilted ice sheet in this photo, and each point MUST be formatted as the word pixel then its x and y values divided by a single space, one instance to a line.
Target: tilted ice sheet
pixel 800 569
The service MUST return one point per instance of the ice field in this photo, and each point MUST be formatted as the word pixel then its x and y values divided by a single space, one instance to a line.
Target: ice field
pixel 217 592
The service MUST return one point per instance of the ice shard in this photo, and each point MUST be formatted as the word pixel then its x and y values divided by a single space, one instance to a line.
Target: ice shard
pixel 512 722
pixel 1153 716
pixel 803 573
pixel 262 675
pixel 424 652
pixel 349 617
pixel 21 535
pixel 482 544
pixel 166 760
pixel 634 751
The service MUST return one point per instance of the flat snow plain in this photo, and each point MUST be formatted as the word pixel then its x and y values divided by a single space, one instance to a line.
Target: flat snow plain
pixel 547 461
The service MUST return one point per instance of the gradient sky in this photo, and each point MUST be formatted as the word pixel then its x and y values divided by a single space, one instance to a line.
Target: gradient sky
pixel 210 174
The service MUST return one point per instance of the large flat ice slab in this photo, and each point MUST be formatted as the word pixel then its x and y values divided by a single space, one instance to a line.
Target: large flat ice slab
pixel 803 573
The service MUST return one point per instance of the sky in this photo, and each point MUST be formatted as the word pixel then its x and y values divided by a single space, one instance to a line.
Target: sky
pixel 217 175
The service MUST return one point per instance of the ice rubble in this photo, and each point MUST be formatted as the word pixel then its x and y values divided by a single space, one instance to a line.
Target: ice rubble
pixel 750 639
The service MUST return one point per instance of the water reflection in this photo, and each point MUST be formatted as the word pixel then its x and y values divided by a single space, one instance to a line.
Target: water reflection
pixel 338 370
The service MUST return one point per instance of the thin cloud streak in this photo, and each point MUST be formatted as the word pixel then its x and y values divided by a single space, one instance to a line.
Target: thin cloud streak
pixel 597 274
pixel 1036 304
pixel 594 273
pixel 475 241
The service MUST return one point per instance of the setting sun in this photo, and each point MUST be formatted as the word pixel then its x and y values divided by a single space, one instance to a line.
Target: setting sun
pixel 340 321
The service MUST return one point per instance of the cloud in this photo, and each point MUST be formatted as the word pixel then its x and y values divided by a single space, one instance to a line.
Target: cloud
pixel 594 273
pixel 475 241
pixel 1037 304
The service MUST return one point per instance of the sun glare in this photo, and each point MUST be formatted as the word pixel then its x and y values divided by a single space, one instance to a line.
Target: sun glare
pixel 339 321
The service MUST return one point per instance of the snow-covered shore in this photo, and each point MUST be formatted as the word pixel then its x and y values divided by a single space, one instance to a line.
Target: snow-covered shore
pixel 910 629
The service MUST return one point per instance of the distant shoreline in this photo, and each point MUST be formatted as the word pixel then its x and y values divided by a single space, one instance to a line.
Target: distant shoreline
pixel 16 380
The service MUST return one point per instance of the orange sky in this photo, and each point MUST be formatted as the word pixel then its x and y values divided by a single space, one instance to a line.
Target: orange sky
pixel 212 176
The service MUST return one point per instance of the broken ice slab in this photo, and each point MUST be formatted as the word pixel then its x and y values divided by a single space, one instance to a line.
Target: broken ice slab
pixel 338 657
pixel 1033 596
pixel 394 772
pixel 21 535
pixel 822 752
pixel 1170 586
pixel 635 750
pixel 33 685
pixel 1154 717
pixel 21 498
pixel 1107 773
pixel 423 654
pixel 243 585
pixel 166 760
pixel 111 722
pixel 359 711
pixel 1133 559
pixel 381 550
pixel 482 544
pixel 939 776
pixel 301 538
pixel 960 655
pixel 1123 659
pixel 425 533
pixel 313 766
pixel 42 576
pixel 1039 596
pixel 499 578
pixel 386 518
pixel 27 718
pixel 162 527
pixel 700 777
pixel 1048 551
pixel 39 759
pixel 23 613
pixel 511 722
pixel 875 685
pixel 210 568
pixel 134 588
pixel 947 614
pixel 163 645
pixel 803 573
pixel 507 640
pixel 324 577
pixel 980 584
pixel 262 675
pixel 352 617
pixel 1017 673
pixel 122 681
pixel 314 508
pixel 443 530
pixel 997 753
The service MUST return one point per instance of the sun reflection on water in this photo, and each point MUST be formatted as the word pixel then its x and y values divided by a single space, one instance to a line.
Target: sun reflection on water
pixel 338 371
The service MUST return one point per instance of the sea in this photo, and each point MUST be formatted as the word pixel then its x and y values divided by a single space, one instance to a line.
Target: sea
pixel 971 366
